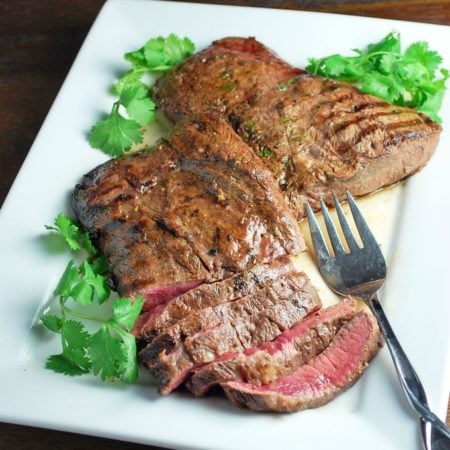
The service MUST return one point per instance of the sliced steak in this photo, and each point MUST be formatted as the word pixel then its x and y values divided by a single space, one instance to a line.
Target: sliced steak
pixel 230 72
pixel 271 360
pixel 215 331
pixel 321 379
pixel 317 136
pixel 155 320
pixel 199 206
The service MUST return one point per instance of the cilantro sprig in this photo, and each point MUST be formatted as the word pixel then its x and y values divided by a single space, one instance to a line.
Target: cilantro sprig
pixel 134 107
pixel 411 78
pixel 75 238
pixel 110 351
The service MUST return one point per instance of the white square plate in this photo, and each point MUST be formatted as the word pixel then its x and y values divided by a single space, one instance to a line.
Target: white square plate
pixel 373 414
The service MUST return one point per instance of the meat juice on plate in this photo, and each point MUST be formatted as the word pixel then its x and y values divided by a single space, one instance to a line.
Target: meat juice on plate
pixel 380 210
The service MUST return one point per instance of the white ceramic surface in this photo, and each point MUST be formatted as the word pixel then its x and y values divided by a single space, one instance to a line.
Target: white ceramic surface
pixel 372 415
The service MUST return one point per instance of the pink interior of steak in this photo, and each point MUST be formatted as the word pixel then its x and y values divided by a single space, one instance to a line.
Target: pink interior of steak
pixel 330 369
pixel 166 314
pixel 162 294
pixel 287 337
pixel 291 348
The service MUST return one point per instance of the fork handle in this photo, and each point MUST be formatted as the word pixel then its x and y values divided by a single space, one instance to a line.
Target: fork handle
pixel 408 377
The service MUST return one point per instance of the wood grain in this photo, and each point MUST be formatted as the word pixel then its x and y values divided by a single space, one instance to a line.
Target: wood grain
pixel 38 43
pixel 429 11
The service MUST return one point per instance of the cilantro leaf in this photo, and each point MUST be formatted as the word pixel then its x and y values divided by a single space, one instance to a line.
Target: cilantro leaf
pixel 53 323
pixel 86 243
pixel 431 105
pixel 406 79
pixel 125 311
pixel 75 238
pixel 62 364
pixel 161 53
pixel 91 285
pixel 115 134
pixel 128 369
pixel 129 78
pixel 82 284
pixel 381 86
pixel 107 353
pixel 420 53
pixel 390 43
pixel 68 230
pixel 138 104
pixel 69 277
pixel 74 335
pixel 100 265
pixel 74 359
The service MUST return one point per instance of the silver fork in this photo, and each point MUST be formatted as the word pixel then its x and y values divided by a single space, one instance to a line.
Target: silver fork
pixel 361 273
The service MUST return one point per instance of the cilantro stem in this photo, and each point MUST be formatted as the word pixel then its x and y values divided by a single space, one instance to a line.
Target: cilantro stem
pixel 115 107
pixel 80 315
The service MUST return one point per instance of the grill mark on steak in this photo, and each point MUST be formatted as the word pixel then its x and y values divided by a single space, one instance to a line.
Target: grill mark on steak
pixel 271 360
pixel 201 179
pixel 368 111
pixel 307 156
pixel 212 332
pixel 372 128
pixel 321 379
pixel 356 111
pixel 161 222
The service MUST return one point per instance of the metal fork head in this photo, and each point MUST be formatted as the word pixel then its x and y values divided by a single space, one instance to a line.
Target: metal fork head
pixel 361 271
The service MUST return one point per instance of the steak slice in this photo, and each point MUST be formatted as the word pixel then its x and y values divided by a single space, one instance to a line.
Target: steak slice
pixel 321 379
pixel 230 72
pixel 271 360
pixel 215 331
pixel 316 136
pixel 321 137
pixel 155 320
pixel 199 206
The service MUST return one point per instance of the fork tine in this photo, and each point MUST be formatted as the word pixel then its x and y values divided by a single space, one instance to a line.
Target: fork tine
pixel 318 241
pixel 351 241
pixel 367 237
pixel 334 237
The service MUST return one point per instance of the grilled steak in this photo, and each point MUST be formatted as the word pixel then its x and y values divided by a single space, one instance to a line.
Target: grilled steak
pixel 200 206
pixel 155 320
pixel 321 379
pixel 317 136
pixel 271 360
pixel 220 78
pixel 234 326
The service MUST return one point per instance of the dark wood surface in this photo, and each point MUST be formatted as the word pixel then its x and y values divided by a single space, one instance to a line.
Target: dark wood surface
pixel 38 43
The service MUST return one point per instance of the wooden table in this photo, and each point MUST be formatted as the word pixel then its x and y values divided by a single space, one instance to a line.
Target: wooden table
pixel 38 43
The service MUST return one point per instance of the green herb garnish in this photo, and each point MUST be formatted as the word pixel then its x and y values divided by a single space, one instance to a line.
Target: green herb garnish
pixel 265 152
pixel 411 78
pixel 134 107
pixel 75 238
pixel 249 126
pixel 111 350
